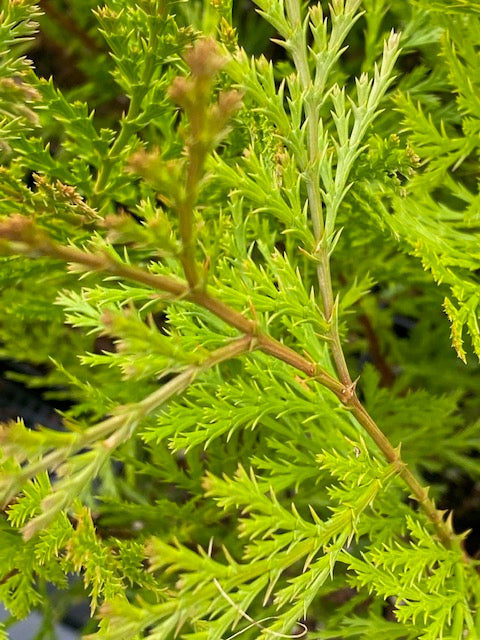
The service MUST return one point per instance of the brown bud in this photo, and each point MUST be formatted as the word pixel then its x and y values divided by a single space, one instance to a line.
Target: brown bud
pixel 17 84
pixel 138 160
pixel 180 90
pixel 229 102
pixel 222 111
pixel 17 228
pixel 204 59
pixel 107 318
pixel 69 192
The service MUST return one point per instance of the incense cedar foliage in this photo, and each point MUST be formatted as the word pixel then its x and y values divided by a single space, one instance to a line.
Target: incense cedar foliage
pixel 211 253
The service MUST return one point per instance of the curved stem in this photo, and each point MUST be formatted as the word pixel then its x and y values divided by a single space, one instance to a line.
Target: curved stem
pixel 442 527
pixel 27 239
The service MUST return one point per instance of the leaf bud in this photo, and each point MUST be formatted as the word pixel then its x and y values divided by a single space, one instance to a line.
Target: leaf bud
pixel 228 103
pixel 180 91
pixel 204 59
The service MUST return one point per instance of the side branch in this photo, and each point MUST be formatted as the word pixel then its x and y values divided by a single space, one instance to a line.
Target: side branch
pixel 102 439
pixel 23 237
pixel 206 125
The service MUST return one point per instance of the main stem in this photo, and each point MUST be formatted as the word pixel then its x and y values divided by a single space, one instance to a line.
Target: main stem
pixel 310 173
pixel 27 239
pixel 350 399
pixel 196 153
pixel 347 395
pixel 443 528
pixel 331 315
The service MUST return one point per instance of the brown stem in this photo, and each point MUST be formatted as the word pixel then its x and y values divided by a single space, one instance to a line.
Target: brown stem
pixel 69 25
pixel 21 228
pixel 442 527
pixel 27 239
pixel 387 376
pixel 349 398
pixel 8 576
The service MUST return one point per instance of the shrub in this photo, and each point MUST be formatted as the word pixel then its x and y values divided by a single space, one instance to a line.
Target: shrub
pixel 240 269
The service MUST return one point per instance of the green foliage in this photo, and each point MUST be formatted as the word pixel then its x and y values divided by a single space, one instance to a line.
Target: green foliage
pixel 241 271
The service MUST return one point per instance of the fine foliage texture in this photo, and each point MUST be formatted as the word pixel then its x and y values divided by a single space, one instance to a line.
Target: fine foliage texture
pixel 233 245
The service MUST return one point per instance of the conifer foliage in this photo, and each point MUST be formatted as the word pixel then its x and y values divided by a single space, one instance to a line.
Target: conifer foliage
pixel 241 269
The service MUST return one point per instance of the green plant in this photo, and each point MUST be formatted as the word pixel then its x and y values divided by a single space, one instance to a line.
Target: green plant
pixel 244 234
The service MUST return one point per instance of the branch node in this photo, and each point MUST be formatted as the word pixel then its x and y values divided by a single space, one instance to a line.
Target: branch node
pixel 348 393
